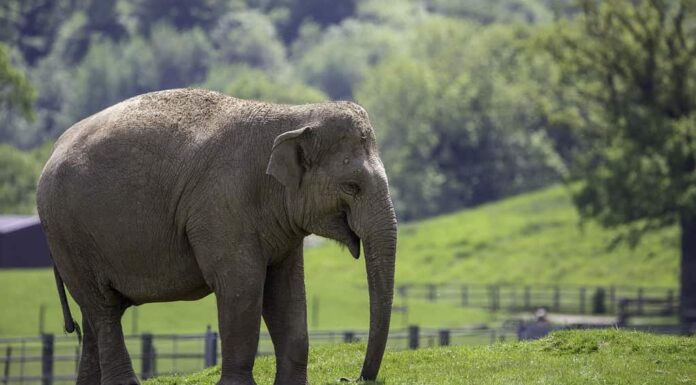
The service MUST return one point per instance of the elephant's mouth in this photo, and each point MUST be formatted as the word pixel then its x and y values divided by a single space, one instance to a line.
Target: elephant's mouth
pixel 353 243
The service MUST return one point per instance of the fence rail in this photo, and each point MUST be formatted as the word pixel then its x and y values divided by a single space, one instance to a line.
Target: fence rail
pixel 53 360
pixel 559 299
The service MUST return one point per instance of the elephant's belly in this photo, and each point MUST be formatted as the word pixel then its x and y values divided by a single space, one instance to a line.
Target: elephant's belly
pixel 163 274
pixel 161 286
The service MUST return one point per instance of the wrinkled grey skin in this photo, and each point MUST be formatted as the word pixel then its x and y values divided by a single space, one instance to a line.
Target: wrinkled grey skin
pixel 176 194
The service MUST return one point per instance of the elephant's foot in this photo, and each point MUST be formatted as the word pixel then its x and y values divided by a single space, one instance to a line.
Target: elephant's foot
pixel 246 380
pixel 291 378
pixel 130 380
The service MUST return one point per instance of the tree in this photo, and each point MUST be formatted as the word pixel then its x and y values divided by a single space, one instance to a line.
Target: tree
pixel 183 14
pixel 18 175
pixel 249 37
pixel 339 71
pixel 16 95
pixel 15 90
pixel 456 121
pixel 31 25
pixel 633 64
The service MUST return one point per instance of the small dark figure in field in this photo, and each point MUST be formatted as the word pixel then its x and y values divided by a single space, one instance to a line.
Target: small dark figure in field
pixel 177 194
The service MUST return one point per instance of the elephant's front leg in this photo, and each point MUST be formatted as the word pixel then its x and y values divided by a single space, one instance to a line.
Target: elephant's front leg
pixel 285 313
pixel 239 296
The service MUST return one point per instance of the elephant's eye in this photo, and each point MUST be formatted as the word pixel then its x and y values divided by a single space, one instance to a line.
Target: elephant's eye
pixel 350 188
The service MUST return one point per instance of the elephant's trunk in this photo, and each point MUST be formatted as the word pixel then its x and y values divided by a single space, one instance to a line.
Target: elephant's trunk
pixel 380 254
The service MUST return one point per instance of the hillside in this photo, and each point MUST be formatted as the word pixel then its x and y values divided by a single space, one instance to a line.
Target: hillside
pixel 532 238
pixel 577 357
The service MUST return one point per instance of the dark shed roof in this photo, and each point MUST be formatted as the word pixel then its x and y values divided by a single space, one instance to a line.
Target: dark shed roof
pixel 22 242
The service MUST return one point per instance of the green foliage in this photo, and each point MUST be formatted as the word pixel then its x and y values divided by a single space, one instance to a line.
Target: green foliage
pixel 338 71
pixel 492 11
pixel 250 38
pixel 112 72
pixel 31 25
pixel 480 124
pixel 460 123
pixel 633 65
pixel 19 172
pixel 182 14
pixel 15 90
pixel 569 357
pixel 254 84
pixel 291 14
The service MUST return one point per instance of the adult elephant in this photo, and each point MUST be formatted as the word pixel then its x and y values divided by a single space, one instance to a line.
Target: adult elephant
pixel 177 194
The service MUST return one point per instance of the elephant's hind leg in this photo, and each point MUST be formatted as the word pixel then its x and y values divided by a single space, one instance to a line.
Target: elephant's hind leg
pixel 89 372
pixel 114 361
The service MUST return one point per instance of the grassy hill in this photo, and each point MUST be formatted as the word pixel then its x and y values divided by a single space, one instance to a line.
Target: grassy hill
pixel 534 238
pixel 573 357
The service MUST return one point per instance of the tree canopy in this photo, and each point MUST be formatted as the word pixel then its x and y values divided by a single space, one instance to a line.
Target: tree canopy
pixel 632 66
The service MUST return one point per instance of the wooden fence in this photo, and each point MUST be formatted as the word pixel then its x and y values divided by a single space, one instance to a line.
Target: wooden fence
pixel 559 299
pixel 53 360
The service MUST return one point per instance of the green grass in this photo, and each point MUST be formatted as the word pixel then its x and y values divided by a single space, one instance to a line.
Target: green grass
pixel 571 357
pixel 534 238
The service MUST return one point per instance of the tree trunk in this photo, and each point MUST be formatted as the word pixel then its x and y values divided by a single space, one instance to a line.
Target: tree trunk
pixel 687 298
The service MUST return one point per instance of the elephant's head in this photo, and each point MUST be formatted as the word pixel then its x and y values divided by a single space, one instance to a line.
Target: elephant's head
pixel 336 187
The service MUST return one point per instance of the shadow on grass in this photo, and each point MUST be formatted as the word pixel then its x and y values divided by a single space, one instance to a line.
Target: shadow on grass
pixel 352 381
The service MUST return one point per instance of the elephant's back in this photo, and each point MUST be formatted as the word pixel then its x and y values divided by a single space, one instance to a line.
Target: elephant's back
pixel 117 177
pixel 141 138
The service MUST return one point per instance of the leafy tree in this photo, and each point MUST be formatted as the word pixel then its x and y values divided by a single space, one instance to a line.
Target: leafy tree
pixel 633 65
pixel 182 14
pixel 339 71
pixel 31 25
pixel 18 175
pixel 291 14
pixel 249 83
pixel 109 73
pixel 456 128
pixel 249 37
pixel 16 95
pixel 490 11
pixel 181 58
pixel 15 90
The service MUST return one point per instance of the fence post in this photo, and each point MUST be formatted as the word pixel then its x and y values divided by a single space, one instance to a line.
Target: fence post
pixel 556 299
pixel 670 302
pixel 623 313
pixel 432 292
pixel 413 337
pixel 527 298
pixel 348 337
pixel 582 300
pixel 493 336
pixel 465 295
pixel 147 356
pixel 494 294
pixel 8 359
pixel 612 299
pixel 444 335
pixel 47 342
pixel 210 346
pixel 403 291
pixel 640 301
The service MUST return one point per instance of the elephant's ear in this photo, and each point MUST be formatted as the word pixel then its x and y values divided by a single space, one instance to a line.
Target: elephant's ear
pixel 288 160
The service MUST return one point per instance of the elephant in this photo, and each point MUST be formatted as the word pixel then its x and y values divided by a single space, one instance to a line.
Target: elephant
pixel 177 194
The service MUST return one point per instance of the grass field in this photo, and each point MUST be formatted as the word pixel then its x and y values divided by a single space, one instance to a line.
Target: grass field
pixel 573 357
pixel 534 238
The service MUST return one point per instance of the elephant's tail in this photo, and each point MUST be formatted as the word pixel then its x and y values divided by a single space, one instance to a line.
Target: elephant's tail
pixel 70 324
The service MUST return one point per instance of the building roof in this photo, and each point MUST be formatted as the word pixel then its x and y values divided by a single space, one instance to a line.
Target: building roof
pixel 10 223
